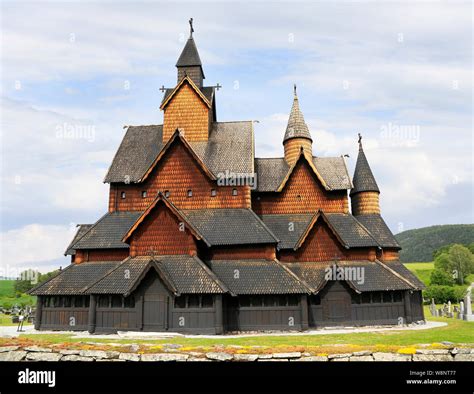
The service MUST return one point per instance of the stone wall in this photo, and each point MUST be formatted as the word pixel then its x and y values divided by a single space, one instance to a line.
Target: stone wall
pixel 35 353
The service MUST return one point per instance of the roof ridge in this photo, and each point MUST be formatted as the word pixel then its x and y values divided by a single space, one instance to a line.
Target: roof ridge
pixel 291 273
pixel 90 229
pixel 40 285
pixel 212 274
pixel 105 275
pixel 395 273
pixel 264 225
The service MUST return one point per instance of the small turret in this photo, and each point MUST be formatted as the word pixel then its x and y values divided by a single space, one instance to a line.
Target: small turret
pixel 297 134
pixel 365 193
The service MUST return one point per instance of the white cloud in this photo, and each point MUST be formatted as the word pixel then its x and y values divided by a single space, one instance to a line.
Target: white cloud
pixel 33 246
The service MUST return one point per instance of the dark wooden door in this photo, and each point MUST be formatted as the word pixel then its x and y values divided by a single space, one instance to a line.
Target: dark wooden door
pixel 155 303
pixel 336 303
pixel 155 312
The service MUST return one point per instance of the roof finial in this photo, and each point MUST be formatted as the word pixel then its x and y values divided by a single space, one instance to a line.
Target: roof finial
pixel 360 140
pixel 191 29
pixel 294 89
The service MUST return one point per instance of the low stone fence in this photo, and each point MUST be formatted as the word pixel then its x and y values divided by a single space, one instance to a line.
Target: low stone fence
pixel 35 353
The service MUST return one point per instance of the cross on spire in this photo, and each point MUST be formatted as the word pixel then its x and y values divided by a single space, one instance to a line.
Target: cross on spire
pixel 294 89
pixel 191 29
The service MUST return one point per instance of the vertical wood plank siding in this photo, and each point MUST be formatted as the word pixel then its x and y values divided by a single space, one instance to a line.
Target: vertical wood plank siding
pixel 178 172
pixel 186 111
pixel 160 231
pixel 303 193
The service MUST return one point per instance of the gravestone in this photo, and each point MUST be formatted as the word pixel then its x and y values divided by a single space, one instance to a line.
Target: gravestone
pixel 468 316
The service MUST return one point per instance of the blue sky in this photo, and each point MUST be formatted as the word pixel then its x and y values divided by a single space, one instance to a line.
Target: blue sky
pixel 400 73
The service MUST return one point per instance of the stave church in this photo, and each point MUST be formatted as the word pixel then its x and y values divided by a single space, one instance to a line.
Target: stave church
pixel 200 236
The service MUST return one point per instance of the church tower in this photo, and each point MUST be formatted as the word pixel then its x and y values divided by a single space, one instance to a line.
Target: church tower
pixel 297 136
pixel 189 62
pixel 189 106
pixel 365 193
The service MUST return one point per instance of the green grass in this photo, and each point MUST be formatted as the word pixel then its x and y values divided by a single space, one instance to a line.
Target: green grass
pixel 421 270
pixel 6 288
pixel 458 332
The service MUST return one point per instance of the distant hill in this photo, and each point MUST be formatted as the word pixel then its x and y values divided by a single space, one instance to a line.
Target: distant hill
pixel 419 244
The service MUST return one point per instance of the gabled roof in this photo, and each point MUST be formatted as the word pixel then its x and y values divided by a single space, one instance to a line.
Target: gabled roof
pixel 376 277
pixel 272 171
pixel 230 147
pixel 75 279
pixel 296 127
pixel 258 277
pixel 169 205
pixel 379 230
pixel 364 180
pixel 303 156
pixel 230 226
pixel 181 273
pixel 188 80
pixel 207 91
pixel 349 232
pixel 175 138
pixel 346 228
pixel 108 231
pixel 81 230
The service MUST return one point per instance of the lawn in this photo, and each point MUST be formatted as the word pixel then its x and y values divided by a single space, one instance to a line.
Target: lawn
pixel 421 270
pixel 457 332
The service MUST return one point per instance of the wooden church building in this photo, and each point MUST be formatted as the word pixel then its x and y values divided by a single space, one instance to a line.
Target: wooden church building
pixel 201 236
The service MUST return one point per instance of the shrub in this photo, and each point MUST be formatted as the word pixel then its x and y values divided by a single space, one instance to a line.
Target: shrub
pixel 442 294
pixel 440 277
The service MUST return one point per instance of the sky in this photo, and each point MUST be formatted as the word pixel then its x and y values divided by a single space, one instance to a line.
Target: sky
pixel 73 74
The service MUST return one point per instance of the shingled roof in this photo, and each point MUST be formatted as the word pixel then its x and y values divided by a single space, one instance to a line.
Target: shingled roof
pixel 75 279
pixel 190 55
pixel 185 274
pixel 364 180
pixel 400 268
pixel 81 230
pixel 287 228
pixel 229 226
pixel 375 276
pixel 108 231
pixel 351 232
pixel 272 171
pixel 379 230
pixel 258 277
pixel 229 147
pixel 296 127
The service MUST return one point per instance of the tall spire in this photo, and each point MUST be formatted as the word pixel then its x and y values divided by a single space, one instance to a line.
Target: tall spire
pixel 364 180
pixel 296 127
pixel 189 62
